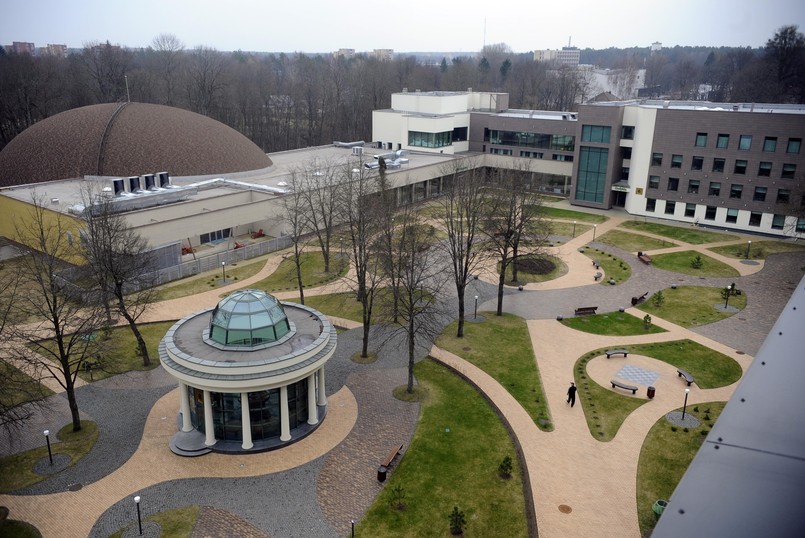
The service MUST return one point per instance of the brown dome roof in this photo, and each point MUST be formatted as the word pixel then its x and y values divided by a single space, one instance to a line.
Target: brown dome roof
pixel 126 139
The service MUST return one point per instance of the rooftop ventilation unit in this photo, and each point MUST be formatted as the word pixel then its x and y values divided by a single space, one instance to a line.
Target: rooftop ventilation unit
pixel 134 184
pixel 164 180
pixel 357 151
pixel 149 182
pixel 119 187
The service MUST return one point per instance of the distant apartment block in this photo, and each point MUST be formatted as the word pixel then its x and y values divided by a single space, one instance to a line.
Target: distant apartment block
pixel 346 53
pixel 21 47
pixel 384 55
pixel 565 56
pixel 656 47
pixel 54 50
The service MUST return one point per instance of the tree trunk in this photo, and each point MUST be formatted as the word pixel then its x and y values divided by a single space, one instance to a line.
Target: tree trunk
pixel 501 282
pixel 460 331
pixel 121 307
pixel 411 341
pixel 299 274
pixel 69 389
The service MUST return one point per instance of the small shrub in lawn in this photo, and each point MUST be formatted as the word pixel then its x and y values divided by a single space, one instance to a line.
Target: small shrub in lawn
pixel 658 299
pixel 697 262
pixel 706 417
pixel 457 522
pixel 397 499
pixel 707 410
pixel 647 322
pixel 696 409
pixel 673 428
pixel 505 467
pixel 704 432
pixel 686 430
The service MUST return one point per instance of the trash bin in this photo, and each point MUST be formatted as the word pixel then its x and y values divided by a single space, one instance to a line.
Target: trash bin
pixel 650 392
pixel 381 473
pixel 659 506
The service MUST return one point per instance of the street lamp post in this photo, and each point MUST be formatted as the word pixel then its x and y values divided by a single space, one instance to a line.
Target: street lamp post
pixel 352 521
pixel 727 299
pixel 685 406
pixel 223 270
pixel 47 440
pixel 748 246
pixel 475 314
pixel 595 226
pixel 574 228
pixel 139 519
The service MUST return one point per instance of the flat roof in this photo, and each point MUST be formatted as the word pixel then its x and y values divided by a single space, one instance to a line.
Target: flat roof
pixel 764 108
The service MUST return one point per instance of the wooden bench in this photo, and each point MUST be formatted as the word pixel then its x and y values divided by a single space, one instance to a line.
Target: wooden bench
pixel 624 386
pixel 643 257
pixel 638 300
pixel 396 449
pixel 585 310
pixel 598 276
pixel 684 373
pixel 610 352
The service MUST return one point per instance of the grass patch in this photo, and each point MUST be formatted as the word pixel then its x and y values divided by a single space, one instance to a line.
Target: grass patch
pixel 452 461
pixel 759 250
pixel 569 214
pixel 17 470
pixel 664 458
pixel 550 267
pixel 633 242
pixel 342 305
pixel 710 368
pixel 501 347
pixel 612 324
pixel 19 388
pixel 691 306
pixel 691 235
pixel 565 229
pixel 177 522
pixel 613 267
pixel 680 262
pixel 10 528
pixel 419 393
pixel 313 274
pixel 207 280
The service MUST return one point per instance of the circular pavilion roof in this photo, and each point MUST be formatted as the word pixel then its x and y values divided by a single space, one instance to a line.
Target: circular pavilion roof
pixel 126 139
pixel 248 317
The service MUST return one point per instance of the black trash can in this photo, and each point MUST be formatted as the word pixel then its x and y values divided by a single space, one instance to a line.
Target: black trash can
pixel 381 473
pixel 650 392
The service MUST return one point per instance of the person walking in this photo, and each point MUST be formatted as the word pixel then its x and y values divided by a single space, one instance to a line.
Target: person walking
pixel 571 394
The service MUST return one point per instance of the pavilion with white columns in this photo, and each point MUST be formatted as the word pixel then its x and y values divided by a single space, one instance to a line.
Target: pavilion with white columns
pixel 250 373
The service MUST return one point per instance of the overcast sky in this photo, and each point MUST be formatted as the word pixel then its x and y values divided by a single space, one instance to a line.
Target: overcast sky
pixel 405 26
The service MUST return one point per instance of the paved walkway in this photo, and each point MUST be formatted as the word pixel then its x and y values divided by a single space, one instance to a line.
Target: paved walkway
pixel 565 467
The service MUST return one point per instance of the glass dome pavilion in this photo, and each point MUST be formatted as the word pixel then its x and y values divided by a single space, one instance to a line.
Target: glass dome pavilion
pixel 248 318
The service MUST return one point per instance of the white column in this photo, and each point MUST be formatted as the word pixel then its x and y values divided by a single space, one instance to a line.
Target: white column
pixel 208 426
pixel 184 407
pixel 322 393
pixel 245 421
pixel 312 412
pixel 285 428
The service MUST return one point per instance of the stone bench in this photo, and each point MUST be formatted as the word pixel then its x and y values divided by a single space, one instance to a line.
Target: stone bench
pixel 687 375
pixel 610 352
pixel 624 386
pixel 585 310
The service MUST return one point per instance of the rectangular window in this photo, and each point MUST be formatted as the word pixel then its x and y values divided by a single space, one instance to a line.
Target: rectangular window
pixel 560 157
pixel 723 141
pixel 736 190
pixel 770 144
pixel 430 140
pixel 778 222
pixel 676 161
pixel 754 218
pixel 764 169
pixel 693 186
pixel 740 166
pixel 701 140
pixel 800 225
pixel 670 207
pixel 625 173
pixel 653 182
pixel 788 171
pixel 732 216
pixel 715 189
pixel 531 154
pixel 500 151
pixel 710 213
pixel 627 132
pixel 592 176
pixel 760 194
pixel 562 142
pixel 783 196
pixel 718 165
pixel 656 159
pixel 651 204
pixel 697 163
pixel 745 142
pixel 595 133
pixel 673 183
pixel 794 145
pixel 690 210
pixel 626 153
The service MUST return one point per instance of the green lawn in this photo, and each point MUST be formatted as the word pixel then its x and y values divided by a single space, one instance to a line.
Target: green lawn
pixel 10 528
pixel 612 324
pixel 18 387
pixel 565 229
pixel 524 277
pixel 501 347
pixel 691 306
pixel 452 461
pixel 612 266
pixel 568 214
pixel 665 456
pixel 633 242
pixel 710 368
pixel 284 278
pixel 690 235
pixel 177 523
pixel 209 280
pixel 680 262
pixel 758 250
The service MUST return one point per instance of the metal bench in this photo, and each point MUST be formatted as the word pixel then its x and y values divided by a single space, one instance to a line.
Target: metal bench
pixel 637 300
pixel 586 310
pixel 643 257
pixel 624 386
pixel 687 375
pixel 598 276
pixel 610 352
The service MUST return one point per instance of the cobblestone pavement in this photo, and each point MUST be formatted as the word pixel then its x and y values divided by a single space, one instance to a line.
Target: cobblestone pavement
pixel 217 523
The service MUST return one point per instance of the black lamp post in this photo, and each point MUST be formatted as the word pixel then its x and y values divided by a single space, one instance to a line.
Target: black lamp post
pixel 352 521
pixel 475 314
pixel 139 518
pixel 727 299
pixel 685 406
pixel 748 246
pixel 223 270
pixel 47 440
pixel 574 228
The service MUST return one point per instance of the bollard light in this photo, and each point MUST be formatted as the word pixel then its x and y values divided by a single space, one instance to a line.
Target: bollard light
pixel 139 519
pixel 47 440
pixel 574 228
pixel 595 227
pixel 475 315
pixel 748 246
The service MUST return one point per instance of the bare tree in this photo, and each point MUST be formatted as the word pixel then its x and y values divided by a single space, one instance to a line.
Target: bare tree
pixel 107 66
pixel 322 185
pixel 295 206
pixel 206 70
pixel 169 50
pixel 388 205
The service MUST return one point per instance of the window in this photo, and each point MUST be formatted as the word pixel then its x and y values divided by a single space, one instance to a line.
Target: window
pixel 723 141
pixel 764 169
pixel 624 173
pixel 430 140
pixel 656 159
pixel 693 186
pixel 778 222
pixel 800 225
pixel 673 183
pixel 732 216
pixel 653 182
pixel 718 165
pixel 215 236
pixel 736 190
pixel 788 171
pixel 563 142
pixel 715 188
pixel 626 153
pixel 651 204
pixel 697 163
pixel 531 154
pixel 670 207
pixel 783 196
pixel 595 133
pixel 690 210
pixel 745 142
pixel 460 134
pixel 561 157
pixel 701 140
pixel 676 161
pixel 754 218
pixel 500 151
pixel 793 145
pixel 627 132
pixel 710 213
pixel 740 166
pixel 770 144
pixel 592 176
pixel 760 194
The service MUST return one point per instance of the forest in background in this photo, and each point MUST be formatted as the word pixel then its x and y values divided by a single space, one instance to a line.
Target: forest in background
pixel 286 101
